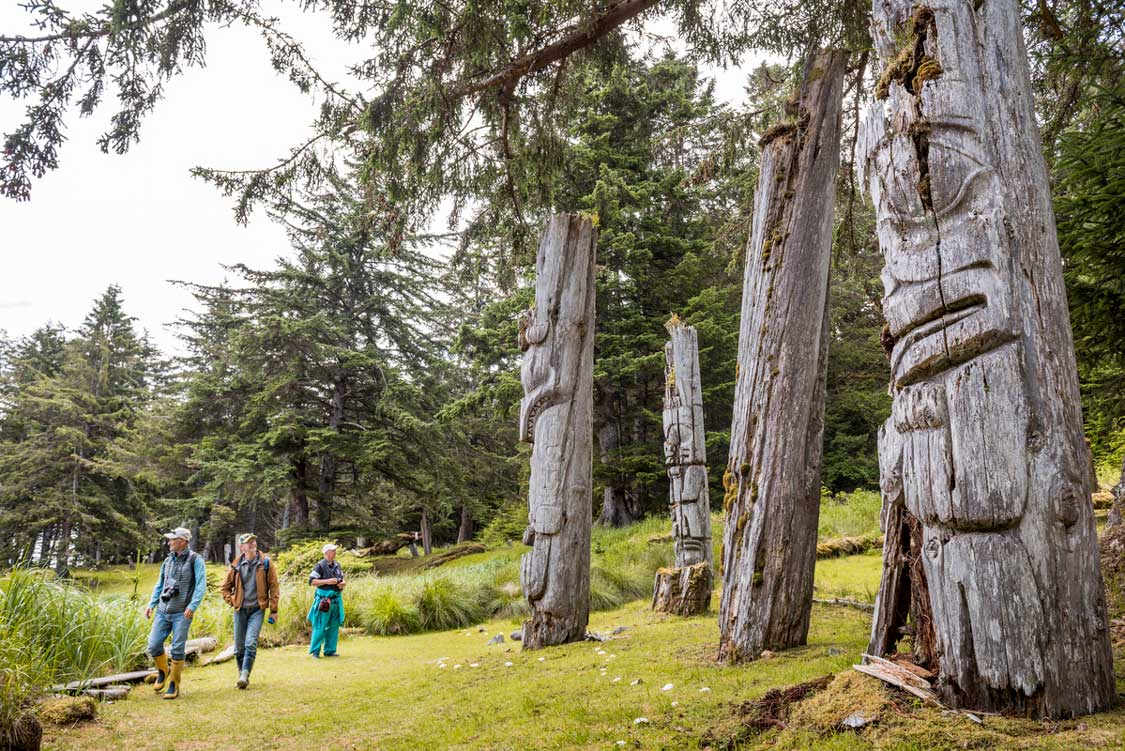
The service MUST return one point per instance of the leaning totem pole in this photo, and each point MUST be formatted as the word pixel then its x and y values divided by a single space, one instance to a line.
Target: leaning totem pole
pixel 991 553
pixel 772 479
pixel 556 418
pixel 686 588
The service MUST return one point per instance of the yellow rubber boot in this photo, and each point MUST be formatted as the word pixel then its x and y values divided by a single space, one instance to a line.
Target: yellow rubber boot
pixel 161 676
pixel 174 679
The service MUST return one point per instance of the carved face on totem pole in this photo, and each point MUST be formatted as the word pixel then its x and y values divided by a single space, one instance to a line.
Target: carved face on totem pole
pixel 555 413
pixel 685 453
pixel 958 447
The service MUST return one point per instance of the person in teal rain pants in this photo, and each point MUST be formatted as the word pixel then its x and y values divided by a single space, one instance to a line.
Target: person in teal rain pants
pixel 327 612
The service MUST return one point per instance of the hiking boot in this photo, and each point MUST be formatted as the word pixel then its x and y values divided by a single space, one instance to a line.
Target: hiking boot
pixel 243 679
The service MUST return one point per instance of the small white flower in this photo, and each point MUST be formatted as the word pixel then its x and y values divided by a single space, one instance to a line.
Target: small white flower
pixel 456 667
pixel 474 664
pixel 619 743
pixel 704 690
pixel 640 721
pixel 542 658
pixel 443 665
pixel 636 682
pixel 507 664
pixel 675 704
pixel 615 680
pixel 667 687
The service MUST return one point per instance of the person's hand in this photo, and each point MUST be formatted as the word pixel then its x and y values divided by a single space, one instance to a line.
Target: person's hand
pixel 148 613
pixel 341 583
pixel 189 613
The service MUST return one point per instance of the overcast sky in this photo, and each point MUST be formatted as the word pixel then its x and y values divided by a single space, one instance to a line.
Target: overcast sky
pixel 140 219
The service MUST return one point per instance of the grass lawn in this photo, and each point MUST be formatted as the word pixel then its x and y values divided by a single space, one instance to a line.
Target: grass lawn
pixel 391 693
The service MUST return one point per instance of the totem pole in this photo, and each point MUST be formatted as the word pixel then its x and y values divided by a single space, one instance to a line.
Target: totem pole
pixel 686 588
pixel 772 479
pixel 991 550
pixel 556 418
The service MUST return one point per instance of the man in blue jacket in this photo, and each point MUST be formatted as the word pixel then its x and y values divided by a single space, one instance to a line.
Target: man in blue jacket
pixel 175 598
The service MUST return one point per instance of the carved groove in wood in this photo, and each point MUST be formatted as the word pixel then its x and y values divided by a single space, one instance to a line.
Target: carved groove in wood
pixel 556 418
pixel 984 447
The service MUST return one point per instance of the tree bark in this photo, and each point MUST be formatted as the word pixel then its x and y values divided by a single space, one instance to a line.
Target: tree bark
pixel 465 531
pixel 326 487
pixel 772 479
pixel 616 510
pixel 427 534
pixel 685 589
pixel 1118 508
pixel 985 435
pixel 298 498
pixel 556 418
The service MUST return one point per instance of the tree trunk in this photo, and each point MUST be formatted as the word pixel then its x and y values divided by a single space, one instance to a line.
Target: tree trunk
pixel 427 534
pixel 772 479
pixel 685 589
pixel 556 417
pixel 298 498
pixel 1118 508
pixel 465 532
pixel 985 435
pixel 616 509
pixel 326 489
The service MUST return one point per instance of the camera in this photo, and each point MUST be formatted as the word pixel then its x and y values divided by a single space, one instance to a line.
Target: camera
pixel 169 592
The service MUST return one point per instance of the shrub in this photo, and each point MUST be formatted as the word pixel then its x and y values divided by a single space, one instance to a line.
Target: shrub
pixel 388 613
pixel 443 605
pixel 300 559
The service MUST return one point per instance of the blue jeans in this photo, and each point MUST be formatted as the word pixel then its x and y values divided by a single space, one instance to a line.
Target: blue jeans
pixel 247 626
pixel 164 624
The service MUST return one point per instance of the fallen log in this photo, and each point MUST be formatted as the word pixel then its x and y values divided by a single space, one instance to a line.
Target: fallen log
pixel 453 554
pixel 196 647
pixel 226 654
pixel 112 693
pixel 867 607
pixel 80 686
pixel 193 648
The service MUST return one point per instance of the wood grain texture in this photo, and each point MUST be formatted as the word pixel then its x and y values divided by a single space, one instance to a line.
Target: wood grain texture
pixel 985 438
pixel 773 473
pixel 556 418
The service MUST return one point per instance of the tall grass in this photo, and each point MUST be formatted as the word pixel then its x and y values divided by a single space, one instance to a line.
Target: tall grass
pixel 54 633
pixel 853 514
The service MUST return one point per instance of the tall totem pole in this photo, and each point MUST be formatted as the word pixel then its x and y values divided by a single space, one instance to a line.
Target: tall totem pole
pixel 686 588
pixel 556 418
pixel 772 479
pixel 990 532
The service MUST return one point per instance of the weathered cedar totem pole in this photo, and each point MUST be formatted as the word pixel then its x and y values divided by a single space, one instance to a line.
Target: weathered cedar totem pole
pixel 556 418
pixel 991 551
pixel 772 480
pixel 685 589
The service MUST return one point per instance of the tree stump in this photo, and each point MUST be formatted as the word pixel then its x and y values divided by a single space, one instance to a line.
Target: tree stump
pixel 556 418
pixel 984 447
pixel 772 480
pixel 683 590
